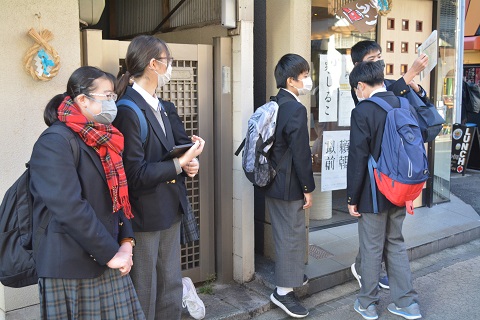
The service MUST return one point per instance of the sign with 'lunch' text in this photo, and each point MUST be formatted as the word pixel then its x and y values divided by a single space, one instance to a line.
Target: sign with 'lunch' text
pixel 462 139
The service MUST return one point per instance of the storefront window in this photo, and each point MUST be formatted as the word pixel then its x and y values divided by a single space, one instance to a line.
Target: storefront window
pixel 331 104
pixel 445 97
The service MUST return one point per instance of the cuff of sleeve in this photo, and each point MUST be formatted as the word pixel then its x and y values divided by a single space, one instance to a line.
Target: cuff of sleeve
pixel 422 93
pixel 351 201
pixel 176 162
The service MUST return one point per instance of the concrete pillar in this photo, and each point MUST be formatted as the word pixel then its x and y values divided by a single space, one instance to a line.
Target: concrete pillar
pixel 288 25
pixel 22 113
pixel 242 90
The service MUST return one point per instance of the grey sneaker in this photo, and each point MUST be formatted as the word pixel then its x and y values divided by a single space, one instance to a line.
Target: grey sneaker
pixel 410 312
pixel 356 275
pixel 290 304
pixel 370 313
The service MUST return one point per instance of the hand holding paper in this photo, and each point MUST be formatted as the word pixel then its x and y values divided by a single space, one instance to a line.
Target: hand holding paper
pixel 430 48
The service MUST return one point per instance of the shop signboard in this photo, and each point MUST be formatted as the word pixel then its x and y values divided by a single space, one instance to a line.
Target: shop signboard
pixel 463 138
pixel 362 14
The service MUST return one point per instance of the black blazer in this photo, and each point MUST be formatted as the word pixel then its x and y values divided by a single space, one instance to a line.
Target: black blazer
pixel 291 134
pixel 157 193
pixel 400 88
pixel 83 233
pixel 366 132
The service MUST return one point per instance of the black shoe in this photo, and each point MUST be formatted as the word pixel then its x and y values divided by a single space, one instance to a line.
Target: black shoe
pixel 305 279
pixel 290 304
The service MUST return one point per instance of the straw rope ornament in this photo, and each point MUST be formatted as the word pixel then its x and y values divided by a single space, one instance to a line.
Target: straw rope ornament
pixel 42 61
pixel 384 7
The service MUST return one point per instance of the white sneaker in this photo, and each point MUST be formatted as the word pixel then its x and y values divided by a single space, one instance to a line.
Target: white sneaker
pixel 356 275
pixel 190 299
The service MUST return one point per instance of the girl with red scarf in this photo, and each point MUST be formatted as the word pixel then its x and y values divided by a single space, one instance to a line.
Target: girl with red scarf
pixel 84 255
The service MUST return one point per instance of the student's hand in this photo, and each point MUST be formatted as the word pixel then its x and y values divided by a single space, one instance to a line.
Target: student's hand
pixel 122 261
pixel 193 152
pixel 191 169
pixel 308 200
pixel 414 86
pixel 352 209
pixel 420 63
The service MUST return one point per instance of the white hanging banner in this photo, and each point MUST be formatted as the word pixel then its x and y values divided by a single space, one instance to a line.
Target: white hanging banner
pixel 329 79
pixel 345 107
pixel 335 160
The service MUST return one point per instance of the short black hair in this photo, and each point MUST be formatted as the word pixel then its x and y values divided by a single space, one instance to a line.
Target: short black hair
pixel 290 65
pixel 369 72
pixel 362 48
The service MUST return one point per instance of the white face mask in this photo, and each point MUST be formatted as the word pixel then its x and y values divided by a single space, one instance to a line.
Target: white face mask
pixel 307 86
pixel 360 99
pixel 163 79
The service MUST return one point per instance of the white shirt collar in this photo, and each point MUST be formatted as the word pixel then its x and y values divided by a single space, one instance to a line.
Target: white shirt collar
pixel 382 89
pixel 151 100
pixel 293 94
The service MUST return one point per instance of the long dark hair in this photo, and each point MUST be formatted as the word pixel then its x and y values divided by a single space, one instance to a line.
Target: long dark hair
pixel 140 51
pixel 80 82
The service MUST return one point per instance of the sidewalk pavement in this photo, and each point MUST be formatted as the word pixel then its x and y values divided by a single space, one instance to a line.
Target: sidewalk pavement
pixel 429 231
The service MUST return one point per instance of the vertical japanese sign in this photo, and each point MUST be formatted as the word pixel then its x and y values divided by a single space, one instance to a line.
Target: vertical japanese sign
pixel 329 78
pixel 335 160
pixel 335 100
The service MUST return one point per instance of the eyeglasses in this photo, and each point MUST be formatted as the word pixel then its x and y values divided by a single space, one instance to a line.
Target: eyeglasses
pixel 169 59
pixel 109 96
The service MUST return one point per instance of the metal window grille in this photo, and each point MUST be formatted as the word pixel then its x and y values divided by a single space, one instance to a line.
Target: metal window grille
pixel 182 91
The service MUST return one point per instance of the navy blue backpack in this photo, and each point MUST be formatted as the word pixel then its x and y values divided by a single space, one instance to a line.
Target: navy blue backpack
pixel 402 168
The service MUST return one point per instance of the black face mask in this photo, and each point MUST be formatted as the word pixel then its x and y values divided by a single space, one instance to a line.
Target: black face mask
pixel 381 62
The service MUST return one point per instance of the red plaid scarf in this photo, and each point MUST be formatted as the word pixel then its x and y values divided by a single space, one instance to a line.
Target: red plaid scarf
pixel 107 141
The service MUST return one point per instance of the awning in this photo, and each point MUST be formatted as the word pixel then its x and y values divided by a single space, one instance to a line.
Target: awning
pixel 471 43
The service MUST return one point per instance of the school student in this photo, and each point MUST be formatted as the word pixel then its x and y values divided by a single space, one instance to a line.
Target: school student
pixel 156 182
pixel 380 234
pixel 291 191
pixel 84 256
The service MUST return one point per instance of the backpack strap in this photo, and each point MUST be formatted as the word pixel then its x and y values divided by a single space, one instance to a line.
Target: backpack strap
pixel 381 103
pixel 372 164
pixel 70 136
pixel 141 117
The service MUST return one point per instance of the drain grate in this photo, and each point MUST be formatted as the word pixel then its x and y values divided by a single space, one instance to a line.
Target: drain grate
pixel 317 252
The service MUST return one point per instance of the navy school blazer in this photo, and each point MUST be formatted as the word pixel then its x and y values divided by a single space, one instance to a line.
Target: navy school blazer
pixel 83 233
pixel 291 134
pixel 157 193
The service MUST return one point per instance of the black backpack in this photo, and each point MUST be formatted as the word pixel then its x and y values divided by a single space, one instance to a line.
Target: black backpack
pixel 17 265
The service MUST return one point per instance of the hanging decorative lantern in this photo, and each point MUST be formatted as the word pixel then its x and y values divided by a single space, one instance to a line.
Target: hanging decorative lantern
pixel 41 61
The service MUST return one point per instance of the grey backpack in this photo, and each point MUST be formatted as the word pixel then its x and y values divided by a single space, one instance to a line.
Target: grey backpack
pixel 258 142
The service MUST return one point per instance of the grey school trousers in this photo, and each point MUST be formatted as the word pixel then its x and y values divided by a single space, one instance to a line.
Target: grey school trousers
pixel 156 273
pixel 290 240
pixel 382 234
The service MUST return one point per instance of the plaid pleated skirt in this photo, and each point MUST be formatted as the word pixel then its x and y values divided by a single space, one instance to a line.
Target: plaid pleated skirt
pixel 108 297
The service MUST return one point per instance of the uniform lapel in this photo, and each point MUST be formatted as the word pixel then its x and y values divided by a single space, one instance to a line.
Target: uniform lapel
pixel 144 106
pixel 168 126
